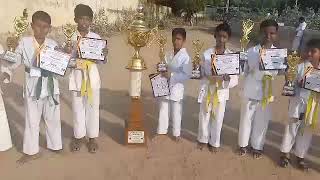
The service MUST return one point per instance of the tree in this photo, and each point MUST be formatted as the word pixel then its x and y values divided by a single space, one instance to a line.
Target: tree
pixel 190 7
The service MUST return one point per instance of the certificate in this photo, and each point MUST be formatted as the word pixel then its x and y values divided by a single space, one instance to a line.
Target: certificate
pixel 92 49
pixel 226 64
pixel 160 85
pixel 274 59
pixel 312 80
pixel 54 61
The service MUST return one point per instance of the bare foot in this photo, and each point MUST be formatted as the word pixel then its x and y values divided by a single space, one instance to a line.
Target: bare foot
pixel 76 144
pixel 27 158
pixel 257 154
pixel 284 160
pixel 302 164
pixel 92 145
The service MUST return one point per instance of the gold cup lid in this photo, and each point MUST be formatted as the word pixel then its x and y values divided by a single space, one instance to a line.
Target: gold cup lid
pixel 139 23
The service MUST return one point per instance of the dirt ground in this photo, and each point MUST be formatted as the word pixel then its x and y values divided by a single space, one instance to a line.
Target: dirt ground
pixel 163 159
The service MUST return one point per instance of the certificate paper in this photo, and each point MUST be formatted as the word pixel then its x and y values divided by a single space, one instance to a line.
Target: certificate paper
pixel 312 80
pixel 227 64
pixel 160 85
pixel 274 59
pixel 54 61
pixel 91 48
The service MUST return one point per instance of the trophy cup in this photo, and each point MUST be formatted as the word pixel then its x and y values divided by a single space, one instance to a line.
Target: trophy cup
pixel 68 31
pixel 196 69
pixel 20 25
pixel 139 35
pixel 162 65
pixel 247 27
pixel 289 87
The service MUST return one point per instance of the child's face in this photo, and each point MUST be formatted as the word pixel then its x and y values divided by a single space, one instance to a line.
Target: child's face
pixel 40 29
pixel 270 35
pixel 313 54
pixel 84 23
pixel 222 38
pixel 178 41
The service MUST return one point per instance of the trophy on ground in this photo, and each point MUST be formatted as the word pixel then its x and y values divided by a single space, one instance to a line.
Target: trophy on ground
pixel 196 67
pixel 20 25
pixel 292 62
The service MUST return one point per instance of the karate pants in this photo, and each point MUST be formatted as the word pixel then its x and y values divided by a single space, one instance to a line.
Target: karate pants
pixel 210 127
pixel 296 43
pixel 174 108
pixel 86 115
pixel 34 110
pixel 5 136
pixel 253 125
pixel 292 136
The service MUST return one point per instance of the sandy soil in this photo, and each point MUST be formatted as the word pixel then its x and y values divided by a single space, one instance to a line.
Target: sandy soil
pixel 163 159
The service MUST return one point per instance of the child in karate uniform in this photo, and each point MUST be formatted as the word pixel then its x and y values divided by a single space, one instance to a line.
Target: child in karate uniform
pixel 41 89
pixel 214 93
pixel 257 94
pixel 85 84
pixel 298 131
pixel 179 70
pixel 5 136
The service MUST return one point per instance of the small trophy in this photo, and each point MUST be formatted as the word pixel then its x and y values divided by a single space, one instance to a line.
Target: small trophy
pixel 68 31
pixel 247 27
pixel 20 26
pixel 162 65
pixel 289 87
pixel 196 70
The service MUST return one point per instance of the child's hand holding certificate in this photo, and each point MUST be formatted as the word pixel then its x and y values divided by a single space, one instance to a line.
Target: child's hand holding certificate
pixel 54 61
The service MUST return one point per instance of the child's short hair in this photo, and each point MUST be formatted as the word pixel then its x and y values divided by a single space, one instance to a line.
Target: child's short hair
pixel 223 27
pixel 42 16
pixel 268 23
pixel 83 10
pixel 180 31
pixel 313 43
pixel 302 19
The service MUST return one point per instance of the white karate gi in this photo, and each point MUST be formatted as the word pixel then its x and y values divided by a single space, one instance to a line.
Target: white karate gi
pixel 210 127
pixel 180 67
pixel 36 108
pixel 297 39
pixel 254 118
pixel 5 136
pixel 85 113
pixel 297 105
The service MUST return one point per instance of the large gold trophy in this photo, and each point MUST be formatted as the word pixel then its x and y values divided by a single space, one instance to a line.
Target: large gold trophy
pixel 196 70
pixel 20 25
pixel 247 27
pixel 139 35
pixel 162 65
pixel 293 61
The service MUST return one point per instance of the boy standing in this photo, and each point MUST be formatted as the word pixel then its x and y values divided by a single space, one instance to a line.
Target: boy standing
pixel 85 83
pixel 214 87
pixel 179 67
pixel 297 132
pixel 41 89
pixel 255 108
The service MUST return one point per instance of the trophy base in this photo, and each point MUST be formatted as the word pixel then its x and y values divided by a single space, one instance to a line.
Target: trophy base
pixel 10 56
pixel 288 91
pixel 196 74
pixel 135 134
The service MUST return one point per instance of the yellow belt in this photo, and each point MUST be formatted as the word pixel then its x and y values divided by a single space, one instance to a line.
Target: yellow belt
pixel 312 109
pixel 86 89
pixel 267 96
pixel 213 98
